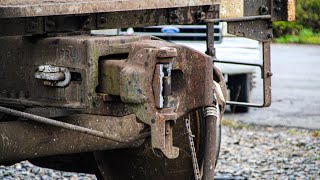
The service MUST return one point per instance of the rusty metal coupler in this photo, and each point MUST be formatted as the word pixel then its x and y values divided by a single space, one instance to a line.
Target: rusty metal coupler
pixel 156 80
pixel 162 81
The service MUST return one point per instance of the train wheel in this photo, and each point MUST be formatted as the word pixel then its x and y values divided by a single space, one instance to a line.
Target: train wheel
pixel 142 163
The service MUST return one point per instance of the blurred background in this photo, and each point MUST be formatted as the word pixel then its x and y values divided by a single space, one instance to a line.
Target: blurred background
pixel 282 141
pixel 295 58
pixel 306 28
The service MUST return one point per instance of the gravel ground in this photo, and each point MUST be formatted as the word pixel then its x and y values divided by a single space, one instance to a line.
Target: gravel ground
pixel 269 153
pixel 247 152
pixel 25 170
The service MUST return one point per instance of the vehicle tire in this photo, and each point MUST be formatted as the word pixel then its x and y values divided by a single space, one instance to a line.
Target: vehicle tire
pixel 239 86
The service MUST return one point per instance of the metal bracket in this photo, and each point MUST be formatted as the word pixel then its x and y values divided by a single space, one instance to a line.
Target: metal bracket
pixel 265 75
pixel 254 27
pixel 260 30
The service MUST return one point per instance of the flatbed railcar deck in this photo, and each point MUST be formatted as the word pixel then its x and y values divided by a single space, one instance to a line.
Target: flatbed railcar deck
pixel 25 8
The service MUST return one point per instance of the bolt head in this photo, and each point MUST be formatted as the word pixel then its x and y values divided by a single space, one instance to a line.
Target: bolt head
pixel 269 74
pixel 167 52
pixel 102 20
pixel 264 10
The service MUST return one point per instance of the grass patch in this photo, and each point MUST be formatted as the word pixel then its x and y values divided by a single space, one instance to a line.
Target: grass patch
pixel 316 133
pixel 292 131
pixel 305 36
pixel 295 132
pixel 235 124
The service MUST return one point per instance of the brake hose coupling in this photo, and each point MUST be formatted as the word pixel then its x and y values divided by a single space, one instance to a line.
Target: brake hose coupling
pixel 210 111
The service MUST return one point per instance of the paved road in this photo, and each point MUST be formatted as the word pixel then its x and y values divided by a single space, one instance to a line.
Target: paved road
pixel 295 89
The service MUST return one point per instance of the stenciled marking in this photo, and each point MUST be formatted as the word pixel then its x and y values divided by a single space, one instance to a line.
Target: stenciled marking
pixel 66 53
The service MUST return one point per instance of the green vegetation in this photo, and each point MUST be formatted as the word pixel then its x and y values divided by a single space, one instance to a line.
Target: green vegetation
pixel 295 132
pixel 306 29
pixel 308 14
pixel 292 131
pixel 316 133
pixel 235 124
pixel 305 36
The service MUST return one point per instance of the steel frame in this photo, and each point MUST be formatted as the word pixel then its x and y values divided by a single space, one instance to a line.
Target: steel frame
pixel 253 27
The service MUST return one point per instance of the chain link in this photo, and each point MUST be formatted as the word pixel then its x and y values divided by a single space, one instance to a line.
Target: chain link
pixel 195 164
pixel 208 111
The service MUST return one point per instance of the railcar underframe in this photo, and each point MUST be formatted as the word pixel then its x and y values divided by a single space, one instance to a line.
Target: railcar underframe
pixel 70 99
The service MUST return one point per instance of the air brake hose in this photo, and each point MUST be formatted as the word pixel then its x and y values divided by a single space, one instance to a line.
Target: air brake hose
pixel 212 141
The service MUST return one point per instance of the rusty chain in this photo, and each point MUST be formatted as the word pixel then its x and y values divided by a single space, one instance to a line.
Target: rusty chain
pixel 196 170
pixel 208 111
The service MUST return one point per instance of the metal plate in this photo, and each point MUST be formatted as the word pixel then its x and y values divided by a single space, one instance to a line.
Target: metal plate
pixel 28 8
